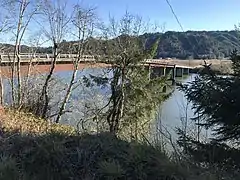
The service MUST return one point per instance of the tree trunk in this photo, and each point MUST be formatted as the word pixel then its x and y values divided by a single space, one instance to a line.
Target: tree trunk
pixel 68 93
pixel 25 86
pixel 1 83
pixel 19 80
pixel 44 96
pixel 12 78
pixel 116 111
pixel 17 50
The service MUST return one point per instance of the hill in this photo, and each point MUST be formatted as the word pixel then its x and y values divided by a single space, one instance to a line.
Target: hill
pixel 181 45
pixel 194 44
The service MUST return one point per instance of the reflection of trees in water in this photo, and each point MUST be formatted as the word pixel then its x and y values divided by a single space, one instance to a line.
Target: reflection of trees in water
pixel 176 114
pixel 84 103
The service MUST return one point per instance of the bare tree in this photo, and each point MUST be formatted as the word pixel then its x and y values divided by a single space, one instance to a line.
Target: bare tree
pixel 84 22
pixel 1 84
pixel 57 21
pixel 4 26
pixel 27 89
pixel 24 10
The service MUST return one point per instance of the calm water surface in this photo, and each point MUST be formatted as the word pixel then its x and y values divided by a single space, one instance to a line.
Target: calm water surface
pixel 174 112
pixel 177 112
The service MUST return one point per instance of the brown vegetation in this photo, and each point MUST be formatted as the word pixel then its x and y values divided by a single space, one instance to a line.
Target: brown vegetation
pixel 220 66
pixel 197 63
pixel 26 123
pixel 39 69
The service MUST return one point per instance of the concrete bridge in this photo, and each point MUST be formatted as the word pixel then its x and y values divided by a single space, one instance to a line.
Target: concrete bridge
pixel 157 67
pixel 7 59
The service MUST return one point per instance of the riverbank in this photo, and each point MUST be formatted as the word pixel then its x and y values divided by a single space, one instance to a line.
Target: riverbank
pixel 221 67
pixel 35 149
pixel 218 69
pixel 40 68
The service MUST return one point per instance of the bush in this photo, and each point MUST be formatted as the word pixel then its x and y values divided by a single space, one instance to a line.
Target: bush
pixel 103 156
pixel 33 149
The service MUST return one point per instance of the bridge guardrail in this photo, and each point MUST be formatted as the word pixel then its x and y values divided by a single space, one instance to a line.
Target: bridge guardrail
pixel 44 57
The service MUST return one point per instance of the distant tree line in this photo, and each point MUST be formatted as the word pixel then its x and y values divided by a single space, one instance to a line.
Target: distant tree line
pixel 181 45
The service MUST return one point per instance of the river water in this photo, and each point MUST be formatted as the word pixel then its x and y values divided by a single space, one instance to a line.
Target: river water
pixel 176 111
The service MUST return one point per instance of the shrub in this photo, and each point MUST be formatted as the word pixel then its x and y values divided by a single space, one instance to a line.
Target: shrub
pixel 33 149
pixel 103 156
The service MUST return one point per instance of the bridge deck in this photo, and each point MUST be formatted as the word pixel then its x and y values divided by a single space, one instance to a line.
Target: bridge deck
pixel 167 64
pixel 68 58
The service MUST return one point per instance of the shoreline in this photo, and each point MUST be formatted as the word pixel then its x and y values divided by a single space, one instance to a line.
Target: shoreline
pixel 40 68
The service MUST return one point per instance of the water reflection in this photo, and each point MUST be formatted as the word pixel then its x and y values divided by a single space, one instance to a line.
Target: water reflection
pixel 177 112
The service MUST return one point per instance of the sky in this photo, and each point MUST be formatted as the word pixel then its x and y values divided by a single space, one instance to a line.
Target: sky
pixel 192 14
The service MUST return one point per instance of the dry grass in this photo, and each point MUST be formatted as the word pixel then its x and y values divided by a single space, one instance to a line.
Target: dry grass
pixel 197 63
pixel 41 150
pixel 26 123
pixel 220 66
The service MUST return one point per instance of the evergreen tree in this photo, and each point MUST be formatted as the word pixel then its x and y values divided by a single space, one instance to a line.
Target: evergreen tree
pixel 216 100
pixel 133 95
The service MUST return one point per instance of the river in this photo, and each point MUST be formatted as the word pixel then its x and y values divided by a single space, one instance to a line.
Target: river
pixel 174 112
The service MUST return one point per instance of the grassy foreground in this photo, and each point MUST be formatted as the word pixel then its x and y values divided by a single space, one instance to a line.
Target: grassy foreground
pixel 32 149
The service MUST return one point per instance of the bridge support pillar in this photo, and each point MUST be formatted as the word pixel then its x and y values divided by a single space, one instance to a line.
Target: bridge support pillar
pixel 161 71
pixel 168 71
pixel 185 71
pixel 157 72
pixel 173 75
pixel 179 72
pixel 164 71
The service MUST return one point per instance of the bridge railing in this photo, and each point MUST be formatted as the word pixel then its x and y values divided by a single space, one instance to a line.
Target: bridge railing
pixel 44 57
pixel 39 57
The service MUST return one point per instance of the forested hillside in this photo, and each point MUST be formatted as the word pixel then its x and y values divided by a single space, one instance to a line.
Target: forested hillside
pixel 181 45
pixel 195 44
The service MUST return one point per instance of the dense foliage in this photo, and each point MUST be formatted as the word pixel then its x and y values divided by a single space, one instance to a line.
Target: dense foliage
pixel 216 101
pixel 195 44
pixel 82 157
pixel 31 148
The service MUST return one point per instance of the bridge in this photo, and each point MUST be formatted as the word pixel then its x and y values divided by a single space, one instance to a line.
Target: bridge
pixel 162 67
pixel 7 59
pixel 156 67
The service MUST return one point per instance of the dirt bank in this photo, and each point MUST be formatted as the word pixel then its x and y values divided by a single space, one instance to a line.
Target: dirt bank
pixel 38 69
